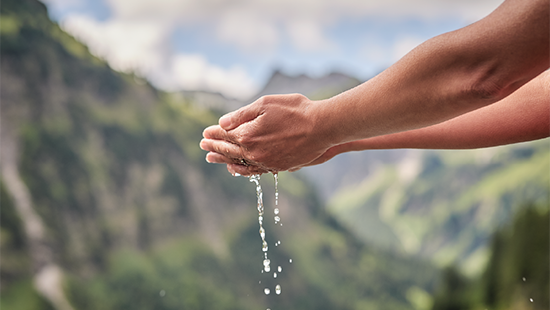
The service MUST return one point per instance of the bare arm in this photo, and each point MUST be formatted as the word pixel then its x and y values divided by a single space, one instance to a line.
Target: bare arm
pixel 522 116
pixel 447 76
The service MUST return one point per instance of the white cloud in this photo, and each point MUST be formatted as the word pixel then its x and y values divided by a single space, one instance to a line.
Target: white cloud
pixel 308 35
pixel 194 72
pixel 126 45
pixel 248 30
pixel 140 47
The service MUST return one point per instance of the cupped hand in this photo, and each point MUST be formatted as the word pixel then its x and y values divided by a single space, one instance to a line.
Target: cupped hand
pixel 275 133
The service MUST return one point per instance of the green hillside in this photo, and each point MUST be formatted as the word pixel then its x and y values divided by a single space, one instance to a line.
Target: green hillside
pixel 107 202
pixel 518 274
pixel 450 203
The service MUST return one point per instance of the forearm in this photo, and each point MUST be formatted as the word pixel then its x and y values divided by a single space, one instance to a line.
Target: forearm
pixel 522 116
pixel 447 76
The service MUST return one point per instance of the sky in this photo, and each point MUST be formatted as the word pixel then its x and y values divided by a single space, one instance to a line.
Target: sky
pixel 233 46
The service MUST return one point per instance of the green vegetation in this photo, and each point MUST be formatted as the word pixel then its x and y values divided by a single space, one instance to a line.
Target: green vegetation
pixel 517 274
pixel 450 209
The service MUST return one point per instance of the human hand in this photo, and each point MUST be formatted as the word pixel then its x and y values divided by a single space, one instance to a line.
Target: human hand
pixel 275 133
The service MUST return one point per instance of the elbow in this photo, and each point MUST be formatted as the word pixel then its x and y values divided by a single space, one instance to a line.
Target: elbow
pixel 492 89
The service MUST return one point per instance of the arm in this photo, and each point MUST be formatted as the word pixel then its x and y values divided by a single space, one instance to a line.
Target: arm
pixel 522 116
pixel 447 76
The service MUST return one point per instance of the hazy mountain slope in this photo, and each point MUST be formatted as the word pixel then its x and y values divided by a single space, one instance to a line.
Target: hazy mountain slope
pixel 314 88
pixel 130 214
pixel 444 205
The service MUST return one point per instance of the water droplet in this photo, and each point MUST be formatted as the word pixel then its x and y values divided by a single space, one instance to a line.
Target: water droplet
pixel 280 269
pixel 262 232
pixel 531 299
pixel 524 279
pixel 266 291
pixel 267 266
pixel 277 219
pixel 264 246
pixel 260 282
pixel 290 260
pixel 278 289
pixel 274 275
pixel 276 211
pixel 236 174
pixel 162 293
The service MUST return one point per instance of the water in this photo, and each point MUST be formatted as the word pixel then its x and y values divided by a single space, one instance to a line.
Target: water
pixel 261 212
pixel 260 206
pixel 276 178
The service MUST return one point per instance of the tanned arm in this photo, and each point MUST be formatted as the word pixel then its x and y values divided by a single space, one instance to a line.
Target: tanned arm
pixel 447 76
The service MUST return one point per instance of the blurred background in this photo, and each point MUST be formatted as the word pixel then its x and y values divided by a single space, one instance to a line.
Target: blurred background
pixel 107 201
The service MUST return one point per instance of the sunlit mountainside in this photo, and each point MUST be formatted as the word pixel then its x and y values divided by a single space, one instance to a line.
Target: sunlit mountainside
pixel 107 202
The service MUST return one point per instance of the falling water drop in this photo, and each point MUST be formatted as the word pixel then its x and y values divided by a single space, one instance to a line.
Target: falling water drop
pixel 278 289
pixel 531 299
pixel 266 291
pixel 274 275
pixel 524 279
pixel 267 266
pixel 290 260
pixel 276 178
pixel 280 269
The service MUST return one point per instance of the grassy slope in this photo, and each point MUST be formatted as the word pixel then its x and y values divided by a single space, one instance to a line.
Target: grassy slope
pixel 451 208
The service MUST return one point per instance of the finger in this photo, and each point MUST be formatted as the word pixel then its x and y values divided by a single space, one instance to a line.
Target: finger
pixel 215 158
pixel 217 133
pixel 245 114
pixel 222 147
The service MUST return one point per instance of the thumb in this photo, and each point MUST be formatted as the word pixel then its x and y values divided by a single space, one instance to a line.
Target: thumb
pixel 234 119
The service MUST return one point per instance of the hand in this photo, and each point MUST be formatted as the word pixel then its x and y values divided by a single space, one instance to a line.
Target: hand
pixel 275 133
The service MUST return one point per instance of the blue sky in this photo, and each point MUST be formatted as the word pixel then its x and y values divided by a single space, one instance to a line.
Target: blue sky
pixel 233 46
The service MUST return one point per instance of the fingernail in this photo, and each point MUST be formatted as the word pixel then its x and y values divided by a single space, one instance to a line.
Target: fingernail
pixel 225 121
pixel 207 160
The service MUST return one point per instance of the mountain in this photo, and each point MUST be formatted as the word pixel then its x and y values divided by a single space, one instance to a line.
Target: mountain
pixel 314 88
pixel 279 83
pixel 107 201
pixel 444 205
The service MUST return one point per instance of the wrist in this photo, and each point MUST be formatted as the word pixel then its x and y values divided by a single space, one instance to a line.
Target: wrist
pixel 328 129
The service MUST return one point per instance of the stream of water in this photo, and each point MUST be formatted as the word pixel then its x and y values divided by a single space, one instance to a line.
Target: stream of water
pixel 276 217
